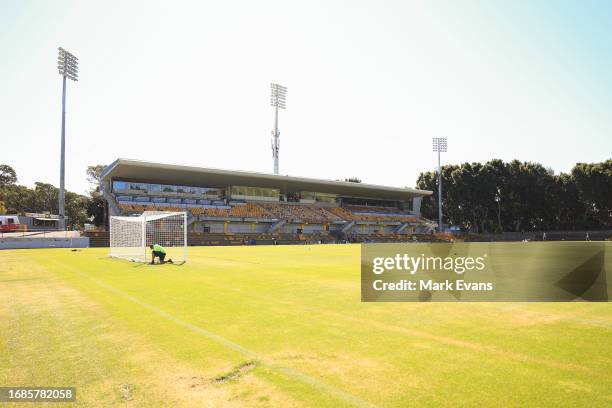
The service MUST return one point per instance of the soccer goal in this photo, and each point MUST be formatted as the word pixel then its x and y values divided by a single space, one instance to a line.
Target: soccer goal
pixel 130 237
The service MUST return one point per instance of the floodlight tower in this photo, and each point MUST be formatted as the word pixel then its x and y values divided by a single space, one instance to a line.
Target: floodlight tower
pixel 277 101
pixel 440 146
pixel 68 67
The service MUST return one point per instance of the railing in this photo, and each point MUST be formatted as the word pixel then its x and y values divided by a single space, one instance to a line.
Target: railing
pixel 40 234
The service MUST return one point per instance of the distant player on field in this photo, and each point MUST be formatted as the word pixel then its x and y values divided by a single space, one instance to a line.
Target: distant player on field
pixel 158 252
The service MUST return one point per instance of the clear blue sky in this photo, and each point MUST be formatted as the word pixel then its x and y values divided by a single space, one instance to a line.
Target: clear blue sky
pixel 369 84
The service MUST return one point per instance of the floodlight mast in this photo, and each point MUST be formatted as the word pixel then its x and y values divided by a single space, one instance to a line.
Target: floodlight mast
pixel 277 101
pixel 439 145
pixel 67 66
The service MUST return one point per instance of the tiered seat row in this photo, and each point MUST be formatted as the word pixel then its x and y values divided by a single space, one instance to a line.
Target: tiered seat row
pixel 397 238
pixel 308 213
pixel 373 209
pixel 132 208
pixel 137 208
pixel 379 214
pixel 323 213
pixel 241 211
pixel 342 213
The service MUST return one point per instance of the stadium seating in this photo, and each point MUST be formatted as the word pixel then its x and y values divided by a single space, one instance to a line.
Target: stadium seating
pixel 210 238
pixel 240 211
pixel 324 214
pixel 132 208
pixel 307 213
pixel 377 214
pixel 356 238
pixel 138 209
pixel 342 213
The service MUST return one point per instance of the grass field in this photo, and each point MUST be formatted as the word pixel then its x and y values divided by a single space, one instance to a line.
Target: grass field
pixel 283 326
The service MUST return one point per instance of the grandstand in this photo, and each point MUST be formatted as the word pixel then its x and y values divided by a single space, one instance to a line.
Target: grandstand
pixel 236 206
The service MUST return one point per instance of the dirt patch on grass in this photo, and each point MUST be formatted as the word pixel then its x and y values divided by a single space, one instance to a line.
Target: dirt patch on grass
pixel 575 386
pixel 125 391
pixel 235 373
pixel 232 389
pixel 232 375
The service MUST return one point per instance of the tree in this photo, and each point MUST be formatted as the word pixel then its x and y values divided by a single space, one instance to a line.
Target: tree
pixel 594 184
pixel 94 173
pixel 42 198
pixel 17 199
pixel 498 169
pixel 351 180
pixel 96 209
pixel 76 209
pixel 96 205
pixel 451 207
pixel 46 198
pixel 566 204
pixel 2 208
pixel 429 206
pixel 521 196
pixel 8 176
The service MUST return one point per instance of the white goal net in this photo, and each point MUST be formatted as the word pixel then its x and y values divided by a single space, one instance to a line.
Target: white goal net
pixel 130 237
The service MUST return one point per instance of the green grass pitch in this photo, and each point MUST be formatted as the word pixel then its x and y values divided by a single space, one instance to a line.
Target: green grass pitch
pixel 283 326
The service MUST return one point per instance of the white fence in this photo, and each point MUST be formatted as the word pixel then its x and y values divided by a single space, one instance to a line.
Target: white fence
pixel 43 242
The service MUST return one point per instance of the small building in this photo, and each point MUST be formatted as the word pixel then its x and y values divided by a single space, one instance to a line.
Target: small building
pixel 40 221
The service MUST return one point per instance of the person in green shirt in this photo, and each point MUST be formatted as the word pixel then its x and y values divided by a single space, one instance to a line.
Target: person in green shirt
pixel 158 252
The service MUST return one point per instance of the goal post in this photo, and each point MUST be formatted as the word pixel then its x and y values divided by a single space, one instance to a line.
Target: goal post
pixel 130 237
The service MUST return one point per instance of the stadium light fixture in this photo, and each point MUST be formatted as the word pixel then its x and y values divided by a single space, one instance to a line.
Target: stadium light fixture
pixel 68 67
pixel 278 99
pixel 440 145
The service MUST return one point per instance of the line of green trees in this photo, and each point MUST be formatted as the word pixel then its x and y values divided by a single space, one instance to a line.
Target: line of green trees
pixel 18 199
pixel 521 196
pixel 491 197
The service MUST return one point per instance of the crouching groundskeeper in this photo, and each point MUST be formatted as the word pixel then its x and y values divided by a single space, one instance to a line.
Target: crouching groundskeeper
pixel 158 252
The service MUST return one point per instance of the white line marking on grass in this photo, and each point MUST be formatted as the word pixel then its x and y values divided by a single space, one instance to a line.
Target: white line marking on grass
pixel 489 348
pixel 289 372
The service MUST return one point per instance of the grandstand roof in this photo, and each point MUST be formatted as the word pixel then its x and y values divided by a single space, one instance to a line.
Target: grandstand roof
pixel 143 171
